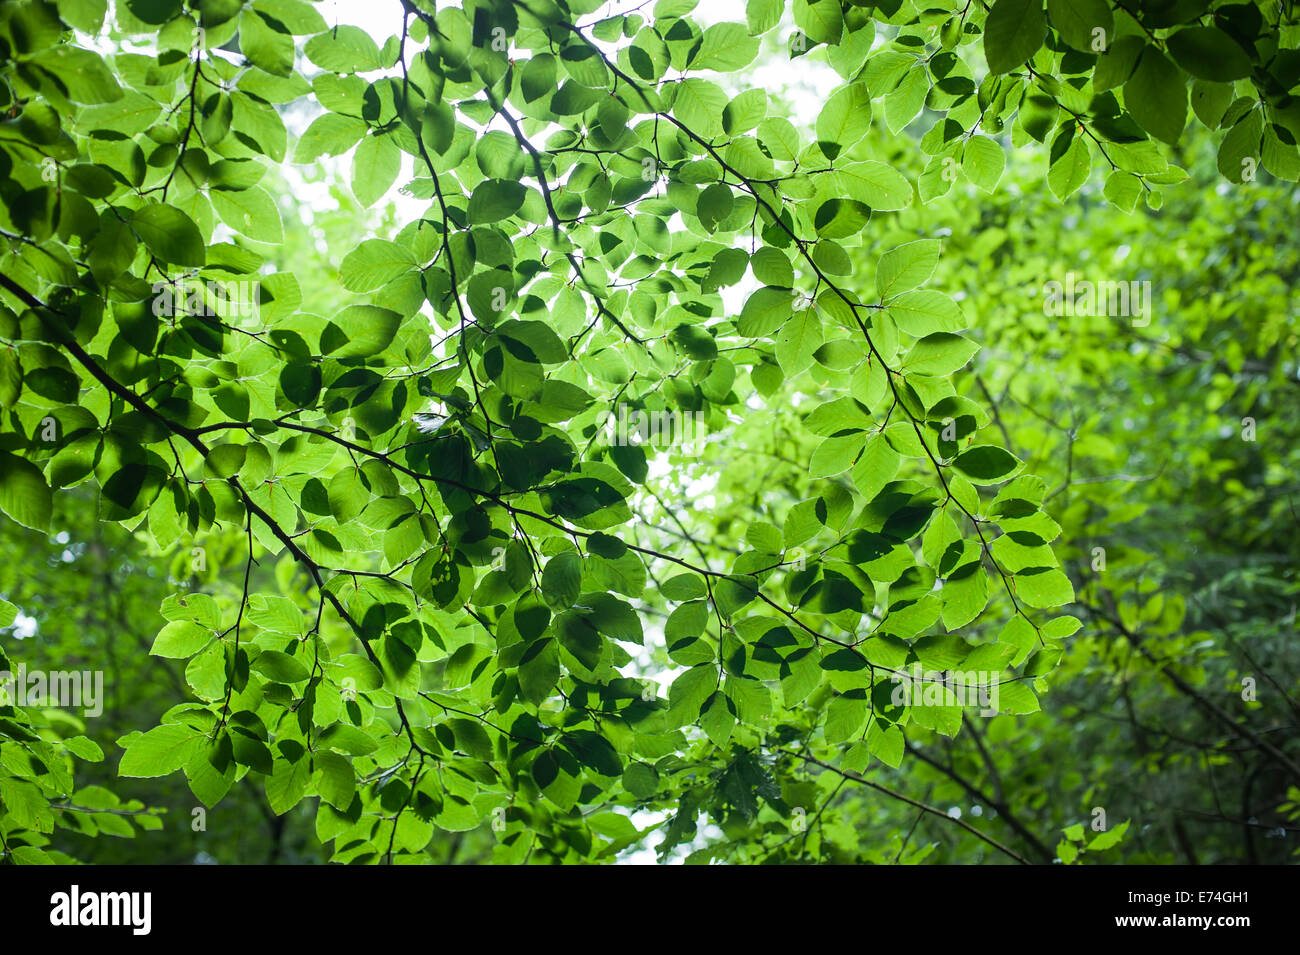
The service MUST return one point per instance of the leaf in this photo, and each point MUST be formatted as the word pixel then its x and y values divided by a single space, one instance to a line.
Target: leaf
pixel 344 49
pixel 641 779
pixel 1013 32
pixel 360 331
pixel 557 773
pixel 336 782
pixel 1156 96
pixel 689 691
pixel 798 339
pixel 941 353
pixel 562 579
pixel 714 205
pixel 983 161
pixel 878 184
pixel 225 460
pixel 24 495
pixel 539 671
pixel 1123 190
pixel 834 455
pixel 699 104
pixel 250 211
pixel 924 312
pixel 161 751
pixel 495 199
pixel 844 119
pixel 375 168
pixel 902 105
pixel 279 667
pixel 876 467
pixel 287 784
pixel 1108 839
pixel 725 47
pixel 821 21
pixel 1078 22
pixel 1070 169
pixel 82 75
pixel 1241 147
pixel 11 378
pixel 766 310
pixel 987 464
pixel 904 268
pixel 180 639
pixel 328 135
pixel 1044 587
pixel 265 46
pixel 1208 53
pixel 373 264
pixel 744 112
pixel 169 234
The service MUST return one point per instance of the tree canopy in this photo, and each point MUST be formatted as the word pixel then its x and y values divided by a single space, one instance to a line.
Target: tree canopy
pixel 620 454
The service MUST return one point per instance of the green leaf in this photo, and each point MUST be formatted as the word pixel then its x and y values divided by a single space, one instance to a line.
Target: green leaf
pixel 328 135
pixel 1108 839
pixel 336 782
pixel 878 184
pixel 287 784
pixel 82 75
pixel 373 264
pixel 983 161
pixel 225 460
pixel 249 211
pixel 169 234
pixel 280 667
pixel 904 268
pixel 1208 53
pixel 1044 587
pixel 834 455
pixel 180 639
pixel 766 310
pixel 562 579
pixel 941 353
pixel 924 312
pixel 1240 150
pixel 360 331
pixel 699 104
pixel 1078 22
pixel 689 691
pixel 1123 190
pixel 714 205
pixel 876 467
pixel 725 47
pixel 265 46
pixel 11 378
pixel 1069 170
pixel 161 751
pixel 24 495
pixel 798 339
pixel 375 168
pixel 821 21
pixel 987 464
pixel 495 199
pixel 1013 32
pixel 744 112
pixel 844 119
pixel 1156 96
pixel 344 49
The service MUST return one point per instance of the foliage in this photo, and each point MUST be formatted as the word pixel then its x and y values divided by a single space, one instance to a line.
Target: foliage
pixel 414 576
